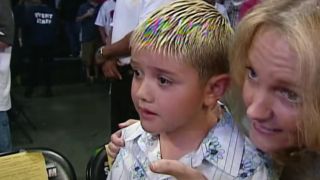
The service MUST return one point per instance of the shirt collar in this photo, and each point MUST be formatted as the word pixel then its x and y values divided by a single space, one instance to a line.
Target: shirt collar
pixel 223 146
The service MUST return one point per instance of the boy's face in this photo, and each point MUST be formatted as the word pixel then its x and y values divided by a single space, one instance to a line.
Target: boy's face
pixel 167 94
pixel 271 92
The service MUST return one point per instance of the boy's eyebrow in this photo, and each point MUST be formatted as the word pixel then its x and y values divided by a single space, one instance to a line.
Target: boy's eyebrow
pixel 157 69
pixel 133 62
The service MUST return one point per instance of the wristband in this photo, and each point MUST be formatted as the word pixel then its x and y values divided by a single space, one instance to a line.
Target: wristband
pixel 101 51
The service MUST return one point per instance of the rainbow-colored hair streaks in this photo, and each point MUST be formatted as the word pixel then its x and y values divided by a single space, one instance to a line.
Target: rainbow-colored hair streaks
pixel 192 30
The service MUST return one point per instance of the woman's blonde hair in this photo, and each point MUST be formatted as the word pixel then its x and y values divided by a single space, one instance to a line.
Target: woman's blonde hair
pixel 298 21
pixel 192 30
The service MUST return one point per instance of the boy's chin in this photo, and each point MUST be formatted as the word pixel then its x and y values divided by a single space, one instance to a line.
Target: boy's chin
pixel 149 129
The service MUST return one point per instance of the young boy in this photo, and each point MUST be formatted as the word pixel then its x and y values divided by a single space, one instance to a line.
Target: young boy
pixel 179 58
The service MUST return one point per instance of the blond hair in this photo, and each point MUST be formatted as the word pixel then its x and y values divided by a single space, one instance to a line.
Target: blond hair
pixel 299 23
pixel 192 30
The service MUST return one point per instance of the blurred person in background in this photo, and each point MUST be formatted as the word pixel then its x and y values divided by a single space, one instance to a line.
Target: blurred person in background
pixel 68 12
pixel 87 14
pixel 6 41
pixel 39 29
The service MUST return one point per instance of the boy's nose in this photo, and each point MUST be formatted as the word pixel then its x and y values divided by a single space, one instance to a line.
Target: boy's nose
pixel 144 91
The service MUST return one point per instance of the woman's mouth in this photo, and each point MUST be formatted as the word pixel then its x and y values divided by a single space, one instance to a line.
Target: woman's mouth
pixel 262 129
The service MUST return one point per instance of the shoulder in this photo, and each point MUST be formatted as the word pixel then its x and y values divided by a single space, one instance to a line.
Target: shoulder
pixel 255 164
pixel 84 6
pixel 132 132
pixel 107 3
pixel 223 147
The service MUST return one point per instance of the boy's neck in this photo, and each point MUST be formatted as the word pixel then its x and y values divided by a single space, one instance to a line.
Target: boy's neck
pixel 175 145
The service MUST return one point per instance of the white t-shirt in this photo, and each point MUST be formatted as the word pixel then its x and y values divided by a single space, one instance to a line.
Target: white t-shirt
pixel 105 15
pixel 5 79
pixel 222 9
pixel 128 14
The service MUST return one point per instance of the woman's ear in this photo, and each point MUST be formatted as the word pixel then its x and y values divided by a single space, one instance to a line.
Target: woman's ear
pixel 215 88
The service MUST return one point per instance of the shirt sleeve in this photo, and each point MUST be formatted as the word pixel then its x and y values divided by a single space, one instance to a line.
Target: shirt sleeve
pixel 148 7
pixel 100 20
pixel 6 22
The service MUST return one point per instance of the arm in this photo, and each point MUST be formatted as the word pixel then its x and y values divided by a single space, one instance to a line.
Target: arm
pixel 108 40
pixel 118 49
pixel 6 24
pixel 101 21
pixel 85 15
pixel 103 34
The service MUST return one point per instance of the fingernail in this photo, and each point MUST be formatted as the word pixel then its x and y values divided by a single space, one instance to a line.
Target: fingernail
pixel 153 165
pixel 120 124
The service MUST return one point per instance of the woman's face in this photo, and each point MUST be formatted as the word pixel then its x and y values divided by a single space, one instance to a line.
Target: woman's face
pixel 271 92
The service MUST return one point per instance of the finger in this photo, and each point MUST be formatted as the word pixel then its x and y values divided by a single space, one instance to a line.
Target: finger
pixel 114 149
pixel 116 139
pixel 117 73
pixel 111 74
pixel 105 69
pixel 176 169
pixel 110 71
pixel 111 152
pixel 167 167
pixel 99 60
pixel 127 123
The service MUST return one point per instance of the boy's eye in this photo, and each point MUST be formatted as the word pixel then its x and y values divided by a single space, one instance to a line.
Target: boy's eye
pixel 164 81
pixel 290 95
pixel 251 73
pixel 136 73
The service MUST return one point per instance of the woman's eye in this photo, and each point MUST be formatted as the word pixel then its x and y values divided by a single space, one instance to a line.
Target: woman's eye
pixel 251 73
pixel 164 81
pixel 290 95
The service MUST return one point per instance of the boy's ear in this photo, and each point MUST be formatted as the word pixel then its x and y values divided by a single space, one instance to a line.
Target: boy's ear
pixel 216 88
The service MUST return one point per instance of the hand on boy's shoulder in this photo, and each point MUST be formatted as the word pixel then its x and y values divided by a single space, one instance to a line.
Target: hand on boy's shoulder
pixel 113 147
pixel 128 123
pixel 132 131
pixel 176 169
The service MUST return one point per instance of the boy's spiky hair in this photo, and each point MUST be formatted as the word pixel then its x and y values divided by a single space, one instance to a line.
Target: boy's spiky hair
pixel 192 30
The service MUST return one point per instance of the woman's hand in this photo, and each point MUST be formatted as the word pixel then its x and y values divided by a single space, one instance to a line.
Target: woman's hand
pixel 176 169
pixel 113 147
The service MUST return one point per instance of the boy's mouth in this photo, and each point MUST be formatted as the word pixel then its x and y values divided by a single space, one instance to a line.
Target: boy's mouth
pixel 146 113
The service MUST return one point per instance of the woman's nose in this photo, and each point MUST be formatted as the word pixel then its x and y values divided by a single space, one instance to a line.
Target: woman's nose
pixel 260 107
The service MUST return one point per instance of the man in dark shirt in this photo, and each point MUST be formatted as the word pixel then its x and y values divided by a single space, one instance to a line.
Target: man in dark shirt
pixel 40 34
